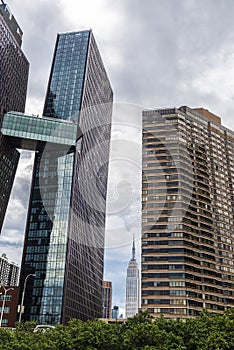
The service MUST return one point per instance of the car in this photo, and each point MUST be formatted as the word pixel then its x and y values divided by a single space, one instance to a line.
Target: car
pixel 43 328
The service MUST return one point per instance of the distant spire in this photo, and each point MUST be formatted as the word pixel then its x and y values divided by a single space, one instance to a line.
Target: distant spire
pixel 133 250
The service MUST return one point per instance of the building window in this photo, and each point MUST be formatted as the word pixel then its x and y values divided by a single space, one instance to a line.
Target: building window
pixel 6 297
pixel 6 310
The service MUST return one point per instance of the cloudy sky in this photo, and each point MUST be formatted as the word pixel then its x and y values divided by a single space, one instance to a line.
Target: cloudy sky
pixel 157 54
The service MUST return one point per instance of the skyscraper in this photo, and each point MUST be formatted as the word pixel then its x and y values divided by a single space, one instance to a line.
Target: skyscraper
pixel 9 272
pixel 64 240
pixel 14 69
pixel 106 299
pixel 132 286
pixel 115 311
pixel 14 65
pixel 187 219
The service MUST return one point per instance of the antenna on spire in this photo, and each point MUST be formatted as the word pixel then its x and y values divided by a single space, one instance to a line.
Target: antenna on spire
pixel 133 249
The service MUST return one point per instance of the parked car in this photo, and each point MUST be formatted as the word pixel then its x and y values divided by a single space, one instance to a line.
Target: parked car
pixel 42 328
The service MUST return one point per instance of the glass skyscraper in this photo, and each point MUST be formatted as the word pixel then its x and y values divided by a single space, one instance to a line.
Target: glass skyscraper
pixel 14 69
pixel 64 241
pixel 132 286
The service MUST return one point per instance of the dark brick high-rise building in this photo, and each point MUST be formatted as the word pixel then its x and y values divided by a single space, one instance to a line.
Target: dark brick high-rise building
pixel 14 65
pixel 14 69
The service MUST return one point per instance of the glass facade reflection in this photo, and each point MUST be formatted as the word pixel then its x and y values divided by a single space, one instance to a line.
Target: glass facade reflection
pixel 61 247
pixel 9 158
pixel 64 93
pixel 46 236
pixel 20 128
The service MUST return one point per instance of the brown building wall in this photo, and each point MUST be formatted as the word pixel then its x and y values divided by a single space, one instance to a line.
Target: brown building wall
pixel 208 115
pixel 10 308
pixel 187 213
pixel 106 299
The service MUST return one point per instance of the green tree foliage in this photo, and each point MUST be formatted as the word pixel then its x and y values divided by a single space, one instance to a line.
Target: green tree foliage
pixel 206 332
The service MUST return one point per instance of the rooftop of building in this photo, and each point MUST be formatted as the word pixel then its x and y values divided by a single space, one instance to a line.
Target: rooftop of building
pixel 11 22
pixel 198 113
pixel 80 32
pixel 4 257
pixel 208 114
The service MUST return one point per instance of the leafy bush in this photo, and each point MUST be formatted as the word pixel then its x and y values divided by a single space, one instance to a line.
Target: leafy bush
pixel 206 332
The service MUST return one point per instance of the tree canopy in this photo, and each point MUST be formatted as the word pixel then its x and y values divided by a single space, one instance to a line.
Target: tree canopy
pixel 206 332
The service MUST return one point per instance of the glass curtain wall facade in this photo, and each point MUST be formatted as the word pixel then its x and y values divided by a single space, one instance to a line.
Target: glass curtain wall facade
pixel 14 69
pixel 60 246
pixel 9 158
pixel 187 218
pixel 31 132
pixel 87 225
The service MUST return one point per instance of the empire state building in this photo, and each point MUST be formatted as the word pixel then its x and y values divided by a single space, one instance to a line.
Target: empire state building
pixel 132 286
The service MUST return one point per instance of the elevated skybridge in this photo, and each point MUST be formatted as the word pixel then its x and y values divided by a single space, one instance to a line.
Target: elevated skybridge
pixel 32 132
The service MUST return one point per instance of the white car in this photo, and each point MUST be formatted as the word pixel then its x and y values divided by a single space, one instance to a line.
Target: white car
pixel 42 328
